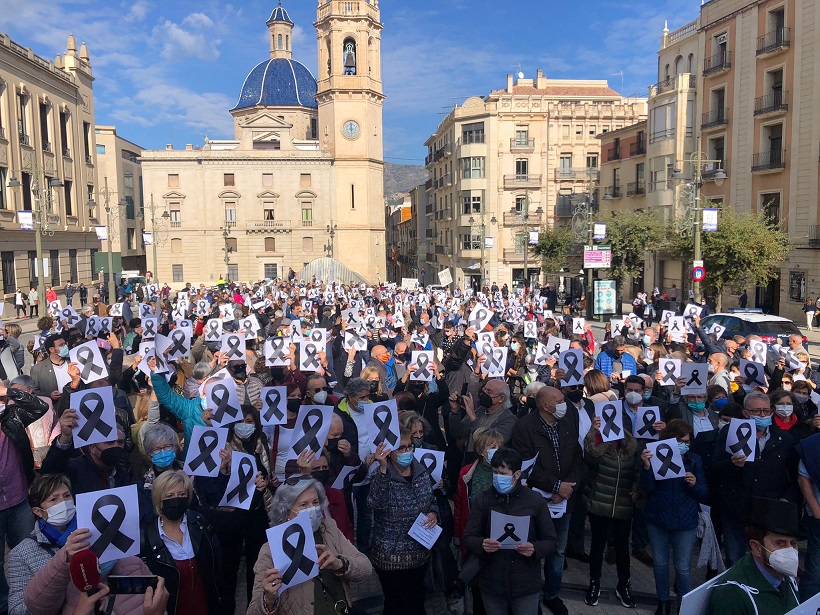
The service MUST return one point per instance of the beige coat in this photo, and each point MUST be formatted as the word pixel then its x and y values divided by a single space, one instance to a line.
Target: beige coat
pixel 299 599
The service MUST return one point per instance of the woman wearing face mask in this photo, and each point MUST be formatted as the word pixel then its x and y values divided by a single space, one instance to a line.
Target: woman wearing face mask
pixel 427 404
pixel 339 561
pixel 399 492
pixel 180 547
pixel 161 444
pixel 788 415
pixel 39 577
pixel 672 515
pixel 370 374
pixel 188 411
pixel 516 362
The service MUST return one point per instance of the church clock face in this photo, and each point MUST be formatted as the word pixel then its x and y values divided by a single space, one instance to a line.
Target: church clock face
pixel 351 129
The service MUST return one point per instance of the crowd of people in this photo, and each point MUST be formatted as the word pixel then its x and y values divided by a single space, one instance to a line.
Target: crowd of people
pixel 539 464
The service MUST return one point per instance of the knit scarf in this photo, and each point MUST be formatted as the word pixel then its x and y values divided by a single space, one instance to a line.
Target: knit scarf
pixel 54 535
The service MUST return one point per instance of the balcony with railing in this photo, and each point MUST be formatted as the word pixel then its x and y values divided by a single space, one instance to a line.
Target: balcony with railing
pixel 522 145
pixel 428 209
pixel 2 133
pixel 773 42
pixel 714 118
pixel 613 153
pixel 636 188
pixel 718 63
pixel 262 226
pixel 176 223
pixel 771 104
pixel 576 173
pixel 683 81
pixel 534 217
pixel 24 139
pixel 66 152
pixel 522 181
pixel 47 147
pixel 613 191
pixel 446 181
pixel 88 159
pixel 637 148
pixel 711 169
pixel 814 235
pixel 428 186
pixel 773 160
pixel 429 233
pixel 661 135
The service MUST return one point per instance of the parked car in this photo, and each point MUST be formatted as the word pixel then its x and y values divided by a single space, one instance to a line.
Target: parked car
pixel 771 329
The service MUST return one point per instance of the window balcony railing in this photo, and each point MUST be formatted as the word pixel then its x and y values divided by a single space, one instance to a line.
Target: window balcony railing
pixel 518 219
pixel 714 118
pixel 637 148
pixel 814 235
pixel 428 209
pixel 771 103
pixel 447 180
pixel 66 152
pixel 773 41
pixel 304 223
pixel 684 81
pixel 661 135
pixel 469 138
pixel 176 223
pixel 2 133
pixel 24 139
pixel 613 153
pixel 635 188
pixel 718 63
pixel 428 185
pixel 767 161
pixel 576 173
pixel 613 191
pixel 522 181
pixel 47 147
pixel 266 225
pixel 522 145
pixel 711 169
pixel 88 159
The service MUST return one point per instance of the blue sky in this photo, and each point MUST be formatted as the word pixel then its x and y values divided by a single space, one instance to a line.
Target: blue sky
pixel 167 72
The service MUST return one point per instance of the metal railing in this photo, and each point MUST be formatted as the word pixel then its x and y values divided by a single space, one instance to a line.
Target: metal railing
pixel 428 185
pixel 522 181
pixel 773 159
pixel 771 103
pixel 24 139
pixel 710 170
pixel 814 235
pixel 580 173
pixel 469 138
pixel 661 135
pixel 428 209
pixel 268 224
pixel 773 41
pixel 46 146
pixel 613 153
pixel 635 188
pixel 717 63
pixel 681 81
pixel 522 145
pixel 716 117
pixel 637 148
pixel 66 152
pixel 176 224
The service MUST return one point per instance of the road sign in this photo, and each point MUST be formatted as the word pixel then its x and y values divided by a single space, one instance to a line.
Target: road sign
pixel 698 274
pixel 697 264
pixel 597 257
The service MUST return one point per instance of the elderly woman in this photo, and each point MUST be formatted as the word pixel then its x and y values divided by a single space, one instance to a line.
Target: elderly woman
pixel 400 490
pixel 370 374
pixel 39 577
pixel 200 373
pixel 180 547
pixel 161 445
pixel 339 561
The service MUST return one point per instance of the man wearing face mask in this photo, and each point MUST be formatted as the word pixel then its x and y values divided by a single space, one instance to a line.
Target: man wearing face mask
pixel 383 361
pixel 493 411
pixel 248 390
pixel 552 433
pixel 401 359
pixel 769 476
pixel 614 359
pixel 718 364
pixel 763 581
pixel 45 373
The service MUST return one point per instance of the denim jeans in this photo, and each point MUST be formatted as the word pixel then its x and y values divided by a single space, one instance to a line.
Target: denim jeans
pixel 734 539
pixel 523 605
pixel 364 520
pixel 682 542
pixel 810 581
pixel 15 524
pixel 554 564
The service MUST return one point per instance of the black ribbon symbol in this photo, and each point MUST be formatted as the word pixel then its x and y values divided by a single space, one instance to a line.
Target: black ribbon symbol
pixel 480 315
pixel 149 330
pixel 110 533
pixel 316 335
pixel 751 372
pixel 744 434
pixel 85 357
pixel 509 532
pixel 609 414
pixel 694 378
pixel 295 330
pixel 648 428
pixel 296 554
pixel 311 359
pixel 248 326
pixel 669 372
pixel 70 318
pixel 759 353
pixel 146 310
pixel 178 340
pixel 311 431
pixel 233 342
pixel 91 407
pixel 675 326
pixel 91 326
pixel 221 397
pixel 493 363
pixel 665 455
pixel 205 451
pixel 579 326
pixel 572 372
pixel 381 418
pixel 272 399
pixel 105 328
pixel 277 349
pixel 213 329
pixel 245 471
pixel 421 363
pixel 428 460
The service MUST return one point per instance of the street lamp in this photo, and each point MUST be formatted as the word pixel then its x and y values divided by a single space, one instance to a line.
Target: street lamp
pixel 107 193
pixel 690 199
pixel 583 229
pixel 156 227
pixel 331 229
pixel 524 216
pixel 472 222
pixel 226 233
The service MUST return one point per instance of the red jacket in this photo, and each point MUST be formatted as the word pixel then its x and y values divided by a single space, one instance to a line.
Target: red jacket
pixel 338 511
pixel 461 511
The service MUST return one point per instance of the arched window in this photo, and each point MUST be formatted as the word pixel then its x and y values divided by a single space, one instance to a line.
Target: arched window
pixel 349 56
pixel 176 246
pixel 691 63
pixel 279 42
pixel 678 65
pixel 666 72
pixel 287 42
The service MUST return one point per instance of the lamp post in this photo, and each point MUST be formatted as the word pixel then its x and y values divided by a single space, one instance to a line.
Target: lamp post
pixel 582 228
pixel 472 221
pixel 226 233
pixel 42 219
pixel 331 229
pixel 107 193
pixel 690 198
pixel 524 215
pixel 156 226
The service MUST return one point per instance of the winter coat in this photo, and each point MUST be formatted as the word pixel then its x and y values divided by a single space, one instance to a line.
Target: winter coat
pixel 207 551
pixel 730 596
pixel 188 411
pixel 506 572
pixel 301 598
pixel 613 475
pixel 81 470
pixel 671 504
pixel 25 410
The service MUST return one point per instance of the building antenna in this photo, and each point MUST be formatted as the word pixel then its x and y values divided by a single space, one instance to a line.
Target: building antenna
pixel 520 72
pixel 620 74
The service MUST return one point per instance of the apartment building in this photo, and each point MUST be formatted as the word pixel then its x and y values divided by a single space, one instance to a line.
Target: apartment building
pixel 503 166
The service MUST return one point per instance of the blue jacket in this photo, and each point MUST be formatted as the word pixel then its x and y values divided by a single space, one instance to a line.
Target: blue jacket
pixel 606 359
pixel 188 411
pixel 671 504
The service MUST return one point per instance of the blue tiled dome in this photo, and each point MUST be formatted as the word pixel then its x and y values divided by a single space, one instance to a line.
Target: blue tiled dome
pixel 280 14
pixel 278 83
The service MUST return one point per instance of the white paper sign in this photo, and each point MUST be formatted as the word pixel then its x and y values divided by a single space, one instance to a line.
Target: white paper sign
pixel 531 329
pixel 112 516
pixel 433 461
pixel 556 345
pixel 578 326
pixel 293 549
pixel 479 317
pixel 233 347
pixel 203 458
pixel 509 530
pixel 89 361
pixel 424 362
pixel 741 439
pixel 670 371
pixel 572 362
pixel 645 420
pixel 445 278
pixel 557 510
pixel 754 373
pixel 242 482
pixel 274 406
pixel 310 431
pixel 695 375
pixel 213 330
pixel 345 477
pixel 495 364
pixel 223 402
pixel 677 328
pixel 382 418
pixel 541 354
pixel 309 351
pixel 96 417
pixel 666 461
pixel 425 537
pixel 353 339
pixel 277 351
pixel 612 419
pixel 526 468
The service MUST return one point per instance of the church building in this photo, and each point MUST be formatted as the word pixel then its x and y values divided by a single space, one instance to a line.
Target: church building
pixel 303 178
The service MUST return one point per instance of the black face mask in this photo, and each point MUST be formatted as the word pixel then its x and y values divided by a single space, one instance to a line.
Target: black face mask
pixel 293 405
pixel 418 442
pixel 174 508
pixel 485 400
pixel 575 396
pixel 321 475
pixel 333 444
pixel 404 356
pixel 239 371
pixel 531 403
pixel 374 386
pixel 112 456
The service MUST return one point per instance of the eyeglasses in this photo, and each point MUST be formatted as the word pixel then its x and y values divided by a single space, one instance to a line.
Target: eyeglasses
pixel 168 448
pixel 760 411
pixel 405 449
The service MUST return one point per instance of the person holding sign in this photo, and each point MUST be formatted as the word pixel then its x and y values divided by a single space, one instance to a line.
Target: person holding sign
pixel 180 546
pixel 509 580
pixel 671 515
pixel 615 359
pixel 399 492
pixel 608 496
pixel 338 561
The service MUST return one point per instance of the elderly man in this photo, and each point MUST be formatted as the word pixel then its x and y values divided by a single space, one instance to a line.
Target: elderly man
pixel 493 410
pixel 718 367
pixel 769 476
pixel 552 433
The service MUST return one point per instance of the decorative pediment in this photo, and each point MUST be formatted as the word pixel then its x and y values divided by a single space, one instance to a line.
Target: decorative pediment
pixel 267 195
pixel 266 120
pixel 173 196
pixel 305 194
pixel 229 194
pixel 266 136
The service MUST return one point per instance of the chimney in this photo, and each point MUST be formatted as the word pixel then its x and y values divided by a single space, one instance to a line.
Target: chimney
pixel 189 147
pixel 169 147
pixel 509 83
pixel 541 80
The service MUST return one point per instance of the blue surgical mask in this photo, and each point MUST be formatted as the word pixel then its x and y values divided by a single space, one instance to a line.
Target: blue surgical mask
pixel 646 340
pixel 106 568
pixel 503 483
pixel 720 403
pixel 163 459
pixel 647 394
pixel 404 459
pixel 514 346
pixel 490 453
pixel 762 422
pixel 203 402
pixel 696 406
pixel 64 352
pixel 683 448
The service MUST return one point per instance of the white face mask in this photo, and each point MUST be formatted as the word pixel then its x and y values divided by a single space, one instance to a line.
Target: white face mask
pixel 560 410
pixel 784 410
pixel 316 515
pixel 244 430
pixel 320 397
pixel 633 398
pixel 61 514
pixel 784 560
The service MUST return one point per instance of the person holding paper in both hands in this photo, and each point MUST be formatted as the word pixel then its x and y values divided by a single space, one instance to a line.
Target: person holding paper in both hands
pixel 510 578
pixel 339 561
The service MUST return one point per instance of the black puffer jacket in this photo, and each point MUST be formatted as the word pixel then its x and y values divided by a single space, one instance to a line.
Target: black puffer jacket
pixel 613 475
pixel 25 409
